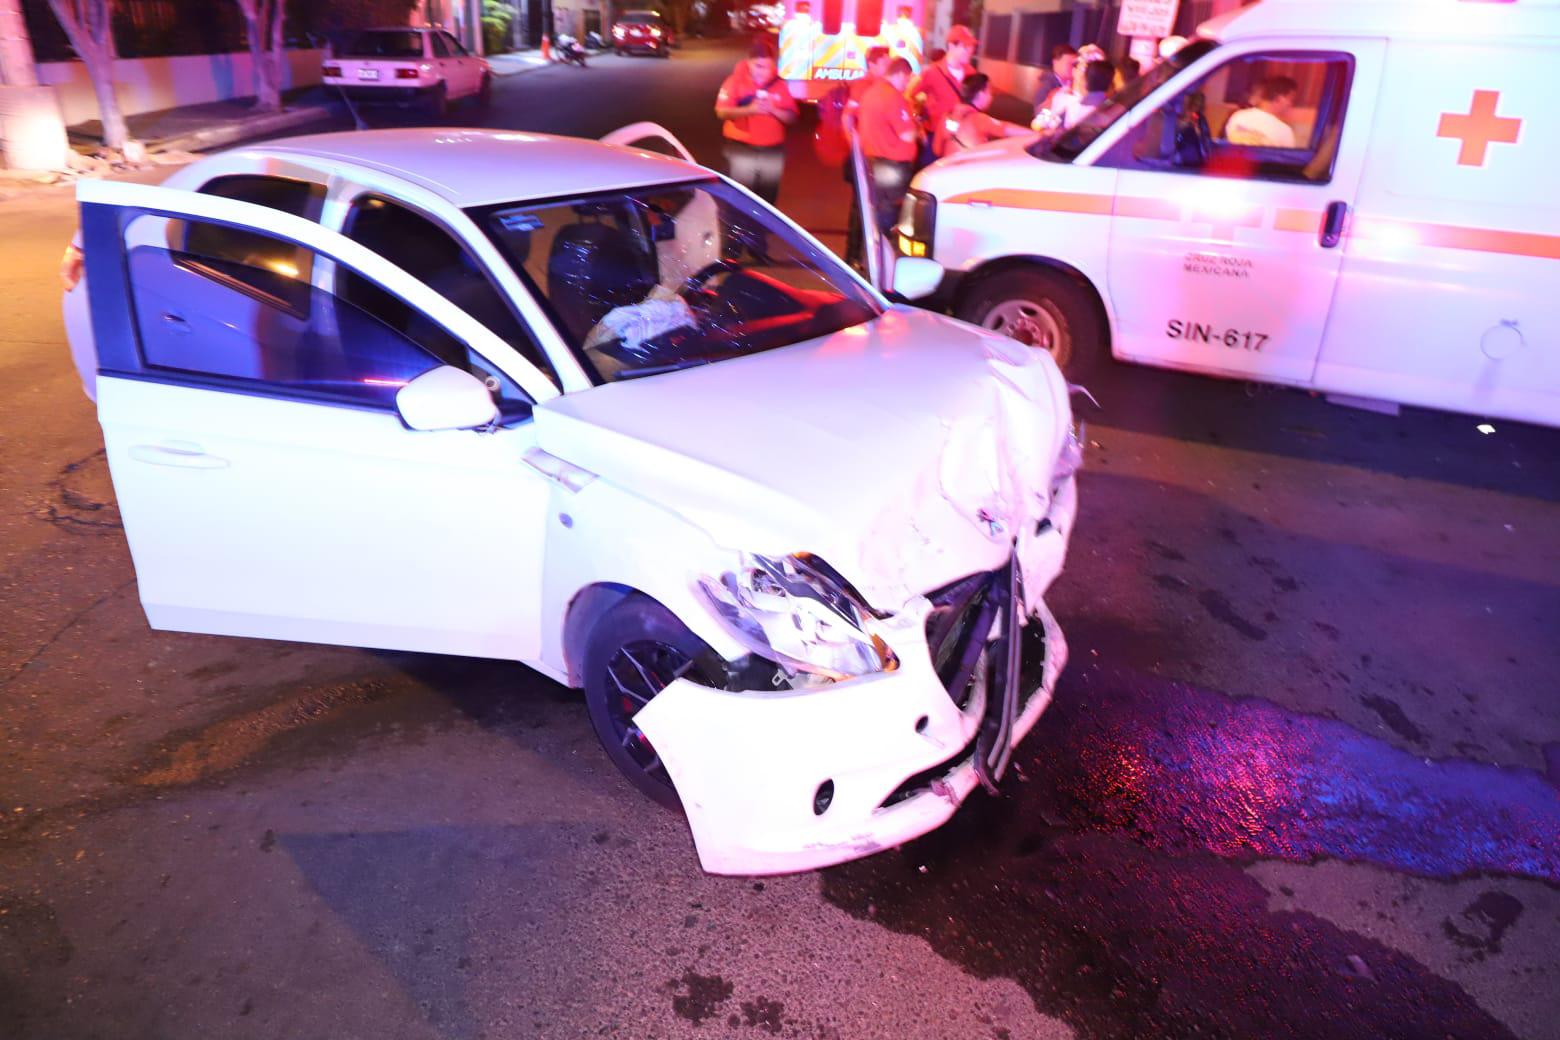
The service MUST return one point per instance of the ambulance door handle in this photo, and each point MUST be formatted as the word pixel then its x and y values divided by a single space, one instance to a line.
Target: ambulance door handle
pixel 1332 224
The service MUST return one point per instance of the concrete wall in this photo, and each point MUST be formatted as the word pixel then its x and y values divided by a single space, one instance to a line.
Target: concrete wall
pixel 151 84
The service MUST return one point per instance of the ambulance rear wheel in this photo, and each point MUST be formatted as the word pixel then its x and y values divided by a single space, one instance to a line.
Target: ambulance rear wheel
pixel 1043 309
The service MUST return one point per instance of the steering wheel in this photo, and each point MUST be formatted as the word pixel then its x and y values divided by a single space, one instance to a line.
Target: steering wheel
pixel 696 281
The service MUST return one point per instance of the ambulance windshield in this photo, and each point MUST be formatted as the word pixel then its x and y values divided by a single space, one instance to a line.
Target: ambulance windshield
pixel 1067 145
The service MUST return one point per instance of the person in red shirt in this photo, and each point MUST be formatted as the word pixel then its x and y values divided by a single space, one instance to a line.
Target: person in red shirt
pixel 889 139
pixel 877 61
pixel 936 89
pixel 969 125
pixel 756 107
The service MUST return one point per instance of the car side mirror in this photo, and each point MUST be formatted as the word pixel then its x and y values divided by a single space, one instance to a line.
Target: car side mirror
pixel 915 277
pixel 445 398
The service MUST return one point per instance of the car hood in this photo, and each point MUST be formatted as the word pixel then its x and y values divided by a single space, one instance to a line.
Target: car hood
pixel 906 452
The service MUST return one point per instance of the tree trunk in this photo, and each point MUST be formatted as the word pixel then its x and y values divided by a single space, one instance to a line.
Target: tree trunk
pixel 115 132
pixel 89 26
pixel 17 68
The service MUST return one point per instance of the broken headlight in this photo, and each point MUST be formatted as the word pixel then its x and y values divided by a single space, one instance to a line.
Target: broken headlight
pixel 798 612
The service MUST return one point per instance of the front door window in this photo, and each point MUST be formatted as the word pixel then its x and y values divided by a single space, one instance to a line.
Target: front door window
pixel 237 307
pixel 1266 116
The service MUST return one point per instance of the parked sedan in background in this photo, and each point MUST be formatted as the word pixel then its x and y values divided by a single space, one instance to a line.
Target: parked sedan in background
pixel 427 66
pixel 605 413
pixel 642 32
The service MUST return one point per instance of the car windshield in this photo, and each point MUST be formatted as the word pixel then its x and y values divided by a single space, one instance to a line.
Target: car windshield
pixel 398 44
pixel 641 18
pixel 647 281
pixel 1067 145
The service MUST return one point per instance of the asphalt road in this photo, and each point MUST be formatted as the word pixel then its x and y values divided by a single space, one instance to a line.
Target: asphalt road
pixel 1299 780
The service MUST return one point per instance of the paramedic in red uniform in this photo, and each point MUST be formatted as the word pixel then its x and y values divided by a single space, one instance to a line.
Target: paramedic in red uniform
pixel 877 61
pixel 755 107
pixel 936 90
pixel 889 139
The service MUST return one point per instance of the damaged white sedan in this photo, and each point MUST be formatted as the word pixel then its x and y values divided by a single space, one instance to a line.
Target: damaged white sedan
pixel 602 412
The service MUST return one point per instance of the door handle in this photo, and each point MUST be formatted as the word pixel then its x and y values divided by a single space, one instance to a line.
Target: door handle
pixel 185 456
pixel 175 322
pixel 1332 224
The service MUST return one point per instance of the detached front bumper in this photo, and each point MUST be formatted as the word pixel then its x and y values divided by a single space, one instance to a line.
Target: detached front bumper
pixel 793 780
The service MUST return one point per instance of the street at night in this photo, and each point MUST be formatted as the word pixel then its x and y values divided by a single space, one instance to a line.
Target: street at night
pixel 1299 778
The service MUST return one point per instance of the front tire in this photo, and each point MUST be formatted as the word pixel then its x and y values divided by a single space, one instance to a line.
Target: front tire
pixel 636 650
pixel 484 95
pixel 1044 309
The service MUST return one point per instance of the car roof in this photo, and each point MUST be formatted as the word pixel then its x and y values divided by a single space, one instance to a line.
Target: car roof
pixel 479 167
pixel 1472 19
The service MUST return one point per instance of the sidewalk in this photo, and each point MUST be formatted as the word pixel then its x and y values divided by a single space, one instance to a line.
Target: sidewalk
pixel 516 62
pixel 193 128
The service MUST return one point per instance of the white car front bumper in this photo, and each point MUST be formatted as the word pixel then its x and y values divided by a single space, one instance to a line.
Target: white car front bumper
pixel 750 766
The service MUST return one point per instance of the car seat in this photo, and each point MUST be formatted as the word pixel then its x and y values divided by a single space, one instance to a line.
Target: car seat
pixel 593 268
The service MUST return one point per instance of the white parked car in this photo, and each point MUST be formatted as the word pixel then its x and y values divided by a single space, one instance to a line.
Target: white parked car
pixel 599 411
pixel 426 66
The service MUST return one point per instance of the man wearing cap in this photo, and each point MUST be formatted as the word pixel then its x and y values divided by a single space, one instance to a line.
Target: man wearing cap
pixel 936 91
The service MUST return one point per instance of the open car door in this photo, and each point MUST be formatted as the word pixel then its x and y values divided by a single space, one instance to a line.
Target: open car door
pixel 647 131
pixel 268 483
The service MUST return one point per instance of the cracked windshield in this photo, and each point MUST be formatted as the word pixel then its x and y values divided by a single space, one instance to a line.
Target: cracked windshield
pixel 675 276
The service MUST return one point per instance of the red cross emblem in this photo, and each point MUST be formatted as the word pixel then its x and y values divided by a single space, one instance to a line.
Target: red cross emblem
pixel 1480 128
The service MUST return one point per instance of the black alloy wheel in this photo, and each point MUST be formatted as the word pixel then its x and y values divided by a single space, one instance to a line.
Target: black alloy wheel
pixel 635 651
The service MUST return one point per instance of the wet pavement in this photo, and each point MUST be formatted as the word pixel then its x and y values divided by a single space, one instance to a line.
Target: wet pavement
pixel 1300 779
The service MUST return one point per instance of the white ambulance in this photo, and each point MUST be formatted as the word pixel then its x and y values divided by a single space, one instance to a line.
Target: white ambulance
pixel 1356 196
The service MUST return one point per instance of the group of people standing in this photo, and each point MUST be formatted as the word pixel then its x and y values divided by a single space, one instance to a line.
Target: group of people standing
pixel 902 120
pixel 1077 83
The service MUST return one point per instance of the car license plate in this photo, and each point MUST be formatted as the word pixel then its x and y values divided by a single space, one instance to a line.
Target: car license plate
pixel 368 73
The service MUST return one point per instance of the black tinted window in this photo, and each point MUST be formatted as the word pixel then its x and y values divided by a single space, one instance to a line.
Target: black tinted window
pixel 440 48
pixel 219 318
pixel 395 44
pixel 235 250
pixel 434 257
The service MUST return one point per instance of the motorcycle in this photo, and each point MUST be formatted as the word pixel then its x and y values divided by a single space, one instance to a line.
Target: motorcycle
pixel 569 50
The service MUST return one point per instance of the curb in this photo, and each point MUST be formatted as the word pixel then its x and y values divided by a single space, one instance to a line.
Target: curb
pixel 216 136
pixel 518 69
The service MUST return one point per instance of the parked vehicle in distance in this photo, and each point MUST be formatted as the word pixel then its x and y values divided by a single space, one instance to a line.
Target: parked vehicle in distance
pixel 642 32
pixel 423 66
pixel 1351 198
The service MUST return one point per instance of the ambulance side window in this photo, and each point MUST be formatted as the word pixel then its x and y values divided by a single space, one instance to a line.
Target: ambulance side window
pixel 1274 116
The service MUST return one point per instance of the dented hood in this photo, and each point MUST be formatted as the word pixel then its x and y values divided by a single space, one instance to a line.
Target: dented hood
pixel 906 452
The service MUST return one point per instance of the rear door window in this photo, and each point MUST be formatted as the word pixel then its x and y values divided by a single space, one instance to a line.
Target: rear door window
pixel 398 43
